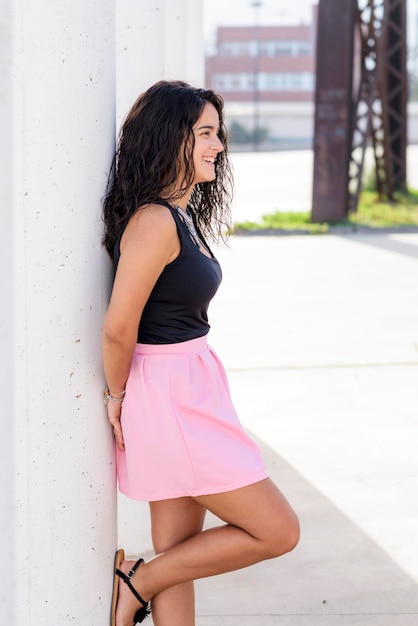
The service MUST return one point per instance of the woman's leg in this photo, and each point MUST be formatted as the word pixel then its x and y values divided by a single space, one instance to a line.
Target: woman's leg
pixel 174 521
pixel 260 524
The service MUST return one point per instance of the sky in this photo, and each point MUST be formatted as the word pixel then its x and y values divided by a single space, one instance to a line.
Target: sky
pixel 224 12
pixel 272 12
pixel 240 12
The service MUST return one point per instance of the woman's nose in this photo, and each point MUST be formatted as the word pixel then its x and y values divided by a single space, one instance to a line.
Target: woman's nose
pixel 218 145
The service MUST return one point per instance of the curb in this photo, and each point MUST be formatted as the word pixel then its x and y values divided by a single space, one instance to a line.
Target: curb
pixel 332 230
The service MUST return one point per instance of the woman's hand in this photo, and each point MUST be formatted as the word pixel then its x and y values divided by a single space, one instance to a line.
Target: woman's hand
pixel 113 414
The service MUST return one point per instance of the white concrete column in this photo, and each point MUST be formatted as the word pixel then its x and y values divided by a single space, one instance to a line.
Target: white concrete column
pixel 183 41
pixel 7 413
pixel 62 125
pixel 155 40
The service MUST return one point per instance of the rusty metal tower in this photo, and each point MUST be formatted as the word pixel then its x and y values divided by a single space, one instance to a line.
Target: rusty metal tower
pixel 361 100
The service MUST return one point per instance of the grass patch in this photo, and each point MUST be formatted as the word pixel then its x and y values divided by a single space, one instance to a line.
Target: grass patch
pixel 371 213
pixel 283 221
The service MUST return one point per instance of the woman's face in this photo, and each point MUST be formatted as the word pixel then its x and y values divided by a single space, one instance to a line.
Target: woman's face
pixel 207 145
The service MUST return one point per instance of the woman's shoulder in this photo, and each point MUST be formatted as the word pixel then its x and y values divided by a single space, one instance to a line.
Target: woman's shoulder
pixel 151 216
pixel 151 222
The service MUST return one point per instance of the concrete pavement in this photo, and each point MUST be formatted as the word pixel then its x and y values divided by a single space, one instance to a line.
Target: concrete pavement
pixel 320 338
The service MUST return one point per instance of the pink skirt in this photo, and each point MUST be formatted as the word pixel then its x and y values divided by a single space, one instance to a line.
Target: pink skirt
pixel 182 434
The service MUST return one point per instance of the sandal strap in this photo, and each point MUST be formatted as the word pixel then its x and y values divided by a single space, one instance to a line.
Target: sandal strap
pixel 127 579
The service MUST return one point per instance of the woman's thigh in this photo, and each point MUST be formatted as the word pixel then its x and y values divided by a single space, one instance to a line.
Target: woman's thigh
pixel 174 521
pixel 261 510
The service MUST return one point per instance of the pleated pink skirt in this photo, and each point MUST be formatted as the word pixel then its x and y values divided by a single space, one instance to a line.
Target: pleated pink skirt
pixel 182 434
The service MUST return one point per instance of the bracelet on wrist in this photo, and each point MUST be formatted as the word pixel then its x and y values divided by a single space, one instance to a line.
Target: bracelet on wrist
pixel 109 396
pixel 116 393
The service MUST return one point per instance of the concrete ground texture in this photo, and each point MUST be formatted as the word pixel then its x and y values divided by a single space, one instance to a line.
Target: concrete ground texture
pixel 319 335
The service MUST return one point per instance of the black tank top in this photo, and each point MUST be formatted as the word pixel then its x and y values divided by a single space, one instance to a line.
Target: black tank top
pixel 177 308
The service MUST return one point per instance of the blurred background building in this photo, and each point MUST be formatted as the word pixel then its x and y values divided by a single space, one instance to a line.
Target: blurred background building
pixel 278 61
pixel 265 71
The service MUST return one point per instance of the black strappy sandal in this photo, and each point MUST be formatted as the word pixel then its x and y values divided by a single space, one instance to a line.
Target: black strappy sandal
pixel 142 613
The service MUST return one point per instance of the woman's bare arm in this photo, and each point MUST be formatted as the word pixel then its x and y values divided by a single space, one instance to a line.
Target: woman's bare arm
pixel 149 243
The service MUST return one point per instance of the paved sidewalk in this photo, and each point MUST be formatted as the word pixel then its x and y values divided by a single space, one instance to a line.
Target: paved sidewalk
pixel 320 339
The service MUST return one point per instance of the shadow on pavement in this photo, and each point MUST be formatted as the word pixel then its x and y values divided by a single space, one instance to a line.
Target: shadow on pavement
pixel 386 242
pixel 337 574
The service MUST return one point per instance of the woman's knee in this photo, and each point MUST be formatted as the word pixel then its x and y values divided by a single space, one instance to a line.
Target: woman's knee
pixel 284 536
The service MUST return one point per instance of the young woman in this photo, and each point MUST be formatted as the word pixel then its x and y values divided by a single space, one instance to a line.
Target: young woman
pixel 179 443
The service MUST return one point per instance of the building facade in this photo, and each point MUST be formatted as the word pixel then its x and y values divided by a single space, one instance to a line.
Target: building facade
pixel 275 62
pixel 266 75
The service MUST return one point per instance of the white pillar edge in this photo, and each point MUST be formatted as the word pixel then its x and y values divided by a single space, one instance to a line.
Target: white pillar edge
pixel 7 386
pixel 157 40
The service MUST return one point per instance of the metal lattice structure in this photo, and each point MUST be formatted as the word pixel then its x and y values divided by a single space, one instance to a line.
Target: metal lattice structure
pixel 378 101
pixel 380 106
pixel 395 87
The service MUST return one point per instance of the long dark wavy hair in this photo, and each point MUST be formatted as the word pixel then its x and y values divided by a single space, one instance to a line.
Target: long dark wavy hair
pixel 155 144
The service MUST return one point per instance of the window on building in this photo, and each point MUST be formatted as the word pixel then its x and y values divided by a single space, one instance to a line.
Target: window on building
pixel 286 81
pixel 266 81
pixel 275 48
pixel 240 82
pixel 236 49
pixel 265 48
pixel 304 48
